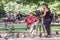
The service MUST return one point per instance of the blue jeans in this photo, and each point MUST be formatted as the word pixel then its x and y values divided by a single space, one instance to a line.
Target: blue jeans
pixel 47 23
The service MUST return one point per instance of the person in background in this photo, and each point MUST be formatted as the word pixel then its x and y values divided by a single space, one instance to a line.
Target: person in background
pixel 19 16
pixel 47 18
pixel 9 16
pixel 15 14
pixel 31 21
pixel 16 18
pixel 13 19
pixel 8 20
pixel 55 17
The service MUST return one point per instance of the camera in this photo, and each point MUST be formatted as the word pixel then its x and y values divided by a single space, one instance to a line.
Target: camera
pixel 38 13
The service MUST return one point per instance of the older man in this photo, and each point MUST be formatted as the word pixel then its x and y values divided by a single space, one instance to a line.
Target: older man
pixel 31 21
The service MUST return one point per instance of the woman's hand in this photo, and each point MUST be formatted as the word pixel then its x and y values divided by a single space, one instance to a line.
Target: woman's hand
pixel 44 13
pixel 41 15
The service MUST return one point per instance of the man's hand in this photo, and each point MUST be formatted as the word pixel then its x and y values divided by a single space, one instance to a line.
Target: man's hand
pixel 22 21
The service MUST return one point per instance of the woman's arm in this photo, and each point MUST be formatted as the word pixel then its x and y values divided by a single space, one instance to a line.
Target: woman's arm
pixel 44 13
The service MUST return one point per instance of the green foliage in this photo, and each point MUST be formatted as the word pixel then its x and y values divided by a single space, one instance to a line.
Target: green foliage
pixel 26 6
pixel 3 13
pixel 27 1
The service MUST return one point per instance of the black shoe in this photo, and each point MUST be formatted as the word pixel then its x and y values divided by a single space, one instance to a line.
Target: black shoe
pixel 57 33
pixel 0 36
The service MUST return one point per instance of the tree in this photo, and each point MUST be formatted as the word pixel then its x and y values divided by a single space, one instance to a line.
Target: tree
pixel 2 11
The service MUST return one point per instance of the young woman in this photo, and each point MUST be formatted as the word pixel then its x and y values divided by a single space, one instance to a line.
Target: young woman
pixel 47 18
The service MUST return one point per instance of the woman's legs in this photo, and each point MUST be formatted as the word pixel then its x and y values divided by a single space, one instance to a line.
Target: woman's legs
pixel 47 26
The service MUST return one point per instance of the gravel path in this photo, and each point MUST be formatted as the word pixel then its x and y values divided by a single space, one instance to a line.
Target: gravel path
pixel 36 38
pixel 54 37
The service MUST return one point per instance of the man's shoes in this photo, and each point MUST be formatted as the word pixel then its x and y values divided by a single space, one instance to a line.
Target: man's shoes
pixel 57 33
pixel 0 36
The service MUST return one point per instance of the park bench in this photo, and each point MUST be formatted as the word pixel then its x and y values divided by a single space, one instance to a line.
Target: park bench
pixel 25 28
pixel 55 24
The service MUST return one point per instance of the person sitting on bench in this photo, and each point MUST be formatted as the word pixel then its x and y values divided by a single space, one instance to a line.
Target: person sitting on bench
pixel 31 21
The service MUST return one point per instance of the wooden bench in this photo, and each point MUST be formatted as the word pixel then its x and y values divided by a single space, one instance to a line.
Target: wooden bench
pixel 55 24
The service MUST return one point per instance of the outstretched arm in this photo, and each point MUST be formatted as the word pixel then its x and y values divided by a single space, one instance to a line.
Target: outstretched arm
pixel 22 21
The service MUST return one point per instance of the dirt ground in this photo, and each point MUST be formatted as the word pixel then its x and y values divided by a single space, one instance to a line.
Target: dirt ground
pixel 27 37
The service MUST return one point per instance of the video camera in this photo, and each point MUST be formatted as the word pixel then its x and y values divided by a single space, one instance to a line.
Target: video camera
pixel 38 13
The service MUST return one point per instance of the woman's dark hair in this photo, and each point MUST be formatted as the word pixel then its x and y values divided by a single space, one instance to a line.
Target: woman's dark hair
pixel 45 5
